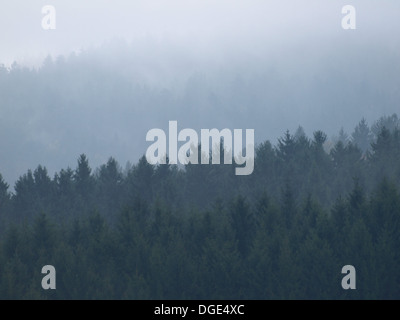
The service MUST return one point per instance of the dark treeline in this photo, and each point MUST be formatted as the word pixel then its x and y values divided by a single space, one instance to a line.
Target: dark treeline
pixel 162 232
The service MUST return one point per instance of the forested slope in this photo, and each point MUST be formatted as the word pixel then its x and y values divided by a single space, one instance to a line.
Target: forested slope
pixel 201 232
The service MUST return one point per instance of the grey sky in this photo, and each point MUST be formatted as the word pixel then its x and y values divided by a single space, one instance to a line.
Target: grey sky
pixel 208 25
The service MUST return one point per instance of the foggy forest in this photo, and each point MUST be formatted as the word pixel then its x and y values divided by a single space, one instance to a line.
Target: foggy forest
pixel 200 232
pixel 78 193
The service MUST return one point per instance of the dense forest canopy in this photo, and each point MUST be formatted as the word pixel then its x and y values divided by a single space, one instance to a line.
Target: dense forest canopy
pixel 201 232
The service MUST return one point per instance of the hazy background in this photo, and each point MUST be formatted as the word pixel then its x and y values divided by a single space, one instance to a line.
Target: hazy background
pixel 115 69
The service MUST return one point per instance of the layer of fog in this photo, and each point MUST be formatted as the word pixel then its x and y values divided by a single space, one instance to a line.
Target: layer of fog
pixel 123 71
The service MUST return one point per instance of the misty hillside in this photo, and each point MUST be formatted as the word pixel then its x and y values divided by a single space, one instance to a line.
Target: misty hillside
pixel 102 101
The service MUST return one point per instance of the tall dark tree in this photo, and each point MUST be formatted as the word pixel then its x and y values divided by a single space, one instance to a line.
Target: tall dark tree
pixel 362 136
pixel 109 184
pixel 286 147
pixel 25 197
pixel 140 180
pixel 83 178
